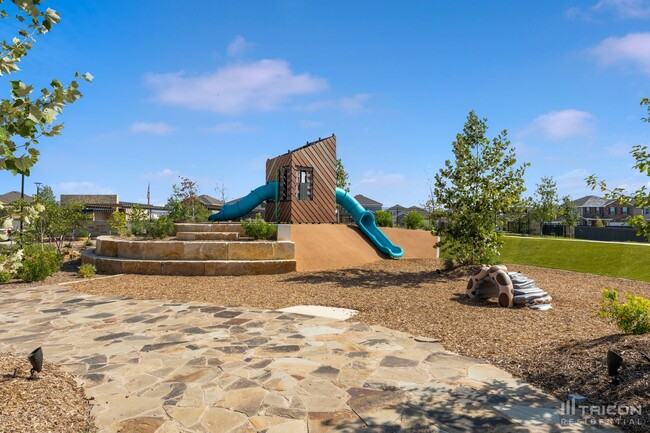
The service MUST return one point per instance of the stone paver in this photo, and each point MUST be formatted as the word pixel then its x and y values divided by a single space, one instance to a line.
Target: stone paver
pixel 159 367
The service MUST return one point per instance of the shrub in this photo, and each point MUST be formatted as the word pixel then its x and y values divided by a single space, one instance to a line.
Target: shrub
pixel 139 221
pixel 87 270
pixel 5 277
pixel 83 233
pixel 259 229
pixel 88 243
pixel 599 223
pixel 39 263
pixel 383 218
pixel 161 228
pixel 118 223
pixel 633 317
pixel 413 220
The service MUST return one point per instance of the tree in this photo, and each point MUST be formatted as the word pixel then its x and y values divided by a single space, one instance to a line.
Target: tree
pixel 221 191
pixel 138 219
pixel 184 203
pixel 569 212
pixel 477 189
pixel 413 220
pixel 639 198
pixel 545 205
pixel 25 120
pixel 342 176
pixel 341 182
pixel 383 218
pixel 43 224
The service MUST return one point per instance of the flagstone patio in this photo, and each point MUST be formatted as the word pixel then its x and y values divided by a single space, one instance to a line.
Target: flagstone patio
pixel 153 366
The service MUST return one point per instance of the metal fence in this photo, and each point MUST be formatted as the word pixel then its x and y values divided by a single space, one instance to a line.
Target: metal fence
pixel 612 234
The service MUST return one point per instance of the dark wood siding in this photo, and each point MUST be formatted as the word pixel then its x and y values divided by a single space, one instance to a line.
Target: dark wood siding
pixel 320 156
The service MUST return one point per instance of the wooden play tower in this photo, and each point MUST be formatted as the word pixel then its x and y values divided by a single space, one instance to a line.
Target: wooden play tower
pixel 307 181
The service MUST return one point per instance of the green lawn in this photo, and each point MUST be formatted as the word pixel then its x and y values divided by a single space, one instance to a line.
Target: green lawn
pixel 617 260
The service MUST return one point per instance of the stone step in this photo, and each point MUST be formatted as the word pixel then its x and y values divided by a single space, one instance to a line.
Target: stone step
pixel 207 236
pixel 209 227
pixel 108 246
pixel 113 265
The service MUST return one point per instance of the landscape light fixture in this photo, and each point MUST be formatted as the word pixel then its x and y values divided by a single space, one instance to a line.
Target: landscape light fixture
pixel 36 359
pixel 614 361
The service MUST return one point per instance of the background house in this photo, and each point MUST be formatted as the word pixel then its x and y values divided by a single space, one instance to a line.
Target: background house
pixel 212 204
pixel 611 212
pixel 101 206
pixel 11 197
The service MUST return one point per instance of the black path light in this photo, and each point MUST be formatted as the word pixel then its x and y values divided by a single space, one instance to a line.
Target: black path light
pixel 614 361
pixel 36 359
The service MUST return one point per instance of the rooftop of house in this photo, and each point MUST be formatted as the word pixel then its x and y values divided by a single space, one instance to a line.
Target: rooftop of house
pixel 363 200
pixel 13 196
pixel 209 201
pixel 590 201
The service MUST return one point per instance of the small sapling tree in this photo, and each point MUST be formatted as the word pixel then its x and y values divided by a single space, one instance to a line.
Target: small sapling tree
pixel 477 188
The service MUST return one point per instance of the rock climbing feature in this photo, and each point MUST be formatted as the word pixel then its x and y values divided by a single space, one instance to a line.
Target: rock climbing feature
pixel 510 288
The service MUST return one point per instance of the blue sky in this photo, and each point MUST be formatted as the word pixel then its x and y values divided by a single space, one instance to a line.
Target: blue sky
pixel 211 89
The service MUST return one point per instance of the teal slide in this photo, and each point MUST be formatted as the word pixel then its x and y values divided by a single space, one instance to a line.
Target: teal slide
pixel 247 203
pixel 366 222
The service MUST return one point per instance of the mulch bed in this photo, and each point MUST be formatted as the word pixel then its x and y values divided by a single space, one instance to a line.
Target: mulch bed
pixel 52 402
pixel 562 350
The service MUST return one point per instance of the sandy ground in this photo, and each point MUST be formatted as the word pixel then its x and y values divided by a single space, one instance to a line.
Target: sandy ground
pixel 334 246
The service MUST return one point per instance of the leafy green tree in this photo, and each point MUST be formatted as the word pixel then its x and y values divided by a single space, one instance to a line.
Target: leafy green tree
pixel 184 204
pixel 546 203
pixel 413 220
pixel 139 219
pixel 383 218
pixel 639 198
pixel 118 223
pixel 342 176
pixel 569 212
pixel 42 226
pixel 341 182
pixel 24 119
pixel 477 189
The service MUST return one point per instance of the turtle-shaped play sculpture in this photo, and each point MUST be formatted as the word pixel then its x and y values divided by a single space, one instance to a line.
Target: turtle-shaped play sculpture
pixel 510 288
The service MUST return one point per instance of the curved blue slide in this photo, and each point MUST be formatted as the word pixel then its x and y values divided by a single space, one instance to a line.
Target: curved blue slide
pixel 366 222
pixel 246 204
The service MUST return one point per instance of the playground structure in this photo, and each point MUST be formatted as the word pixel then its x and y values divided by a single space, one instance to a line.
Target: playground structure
pixel 510 288
pixel 301 188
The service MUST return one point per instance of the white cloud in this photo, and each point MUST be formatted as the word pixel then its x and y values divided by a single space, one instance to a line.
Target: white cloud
pixel 239 46
pixel 562 124
pixel 264 85
pixel 633 48
pixel 157 128
pixel 351 105
pixel 82 187
pixel 372 177
pixel 226 127
pixel 623 9
pixel 165 172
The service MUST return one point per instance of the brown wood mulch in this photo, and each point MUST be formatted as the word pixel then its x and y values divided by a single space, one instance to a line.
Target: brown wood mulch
pixel 50 402
pixel 562 350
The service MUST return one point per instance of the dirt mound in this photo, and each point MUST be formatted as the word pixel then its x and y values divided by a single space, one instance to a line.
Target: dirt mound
pixel 335 246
